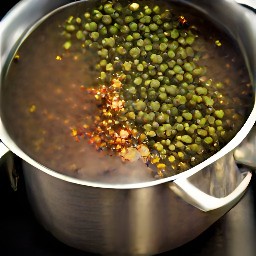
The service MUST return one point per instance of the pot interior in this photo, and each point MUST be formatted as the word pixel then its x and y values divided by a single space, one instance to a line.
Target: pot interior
pixel 48 95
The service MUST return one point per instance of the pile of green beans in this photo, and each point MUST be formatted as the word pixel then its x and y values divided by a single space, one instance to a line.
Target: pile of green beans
pixel 177 114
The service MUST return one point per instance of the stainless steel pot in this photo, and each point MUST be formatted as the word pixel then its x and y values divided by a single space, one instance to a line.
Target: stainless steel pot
pixel 142 218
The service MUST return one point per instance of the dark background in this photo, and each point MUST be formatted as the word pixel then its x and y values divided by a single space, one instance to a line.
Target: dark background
pixel 20 233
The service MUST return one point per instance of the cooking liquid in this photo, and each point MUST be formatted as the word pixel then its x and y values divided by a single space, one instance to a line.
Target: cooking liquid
pixel 44 99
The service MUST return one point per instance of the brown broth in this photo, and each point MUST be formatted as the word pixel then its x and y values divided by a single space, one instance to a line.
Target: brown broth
pixel 43 99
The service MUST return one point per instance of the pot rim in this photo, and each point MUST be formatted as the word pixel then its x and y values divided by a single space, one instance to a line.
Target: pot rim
pixel 238 138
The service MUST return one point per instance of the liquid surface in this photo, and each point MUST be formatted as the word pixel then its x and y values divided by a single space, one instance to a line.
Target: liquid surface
pixel 46 99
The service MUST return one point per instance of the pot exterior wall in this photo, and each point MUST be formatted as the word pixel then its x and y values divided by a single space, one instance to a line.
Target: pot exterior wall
pixel 142 221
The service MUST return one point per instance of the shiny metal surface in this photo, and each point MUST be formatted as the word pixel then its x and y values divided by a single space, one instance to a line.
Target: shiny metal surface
pixel 142 221
pixel 21 233
pixel 248 3
pixel 216 186
pixel 245 152
pixel 146 218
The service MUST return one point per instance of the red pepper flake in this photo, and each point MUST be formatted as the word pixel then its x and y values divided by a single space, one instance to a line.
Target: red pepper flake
pixel 183 21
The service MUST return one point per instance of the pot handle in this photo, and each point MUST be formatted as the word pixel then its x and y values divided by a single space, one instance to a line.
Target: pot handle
pixel 250 3
pixel 203 201
pixel 6 157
